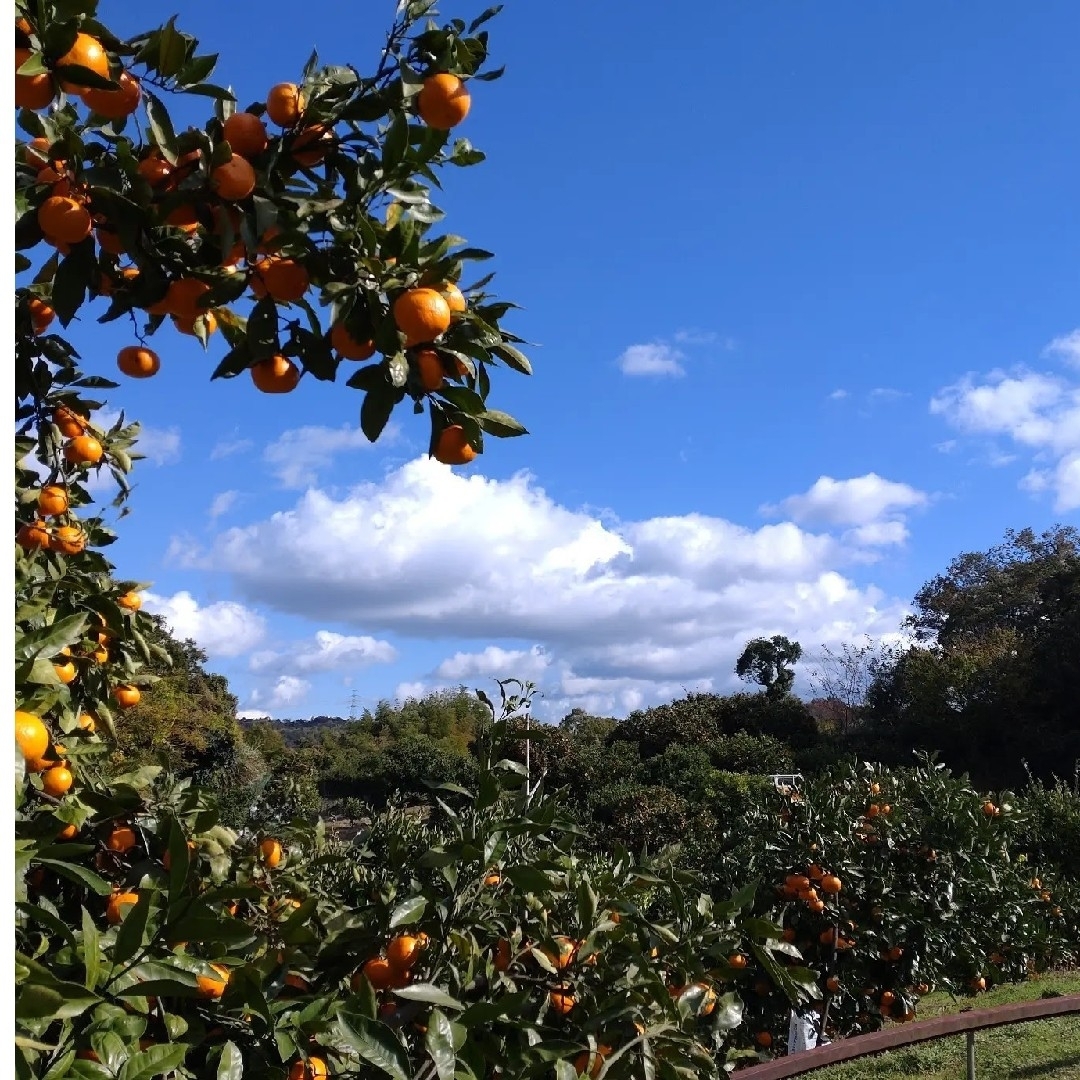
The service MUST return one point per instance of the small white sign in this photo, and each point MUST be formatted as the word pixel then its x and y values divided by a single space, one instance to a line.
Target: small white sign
pixel 802 1034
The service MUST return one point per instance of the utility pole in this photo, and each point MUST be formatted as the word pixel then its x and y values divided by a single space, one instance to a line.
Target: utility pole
pixel 352 707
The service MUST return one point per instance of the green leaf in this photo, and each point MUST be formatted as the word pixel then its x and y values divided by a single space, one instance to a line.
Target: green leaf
pixel 172 49
pixel 396 143
pixel 370 377
pixel 376 1044
pixel 431 993
pixel 49 640
pixel 375 411
pixel 91 945
pixel 196 70
pixel 468 401
pixel 132 933
pixel 500 424
pixel 439 1043
pixel 160 126
pixel 80 875
pixel 262 329
pixel 408 911
pixel 71 281
pixel 155 1060
pixel 483 17
pixel 231 1065
pixel 518 361
pixel 529 879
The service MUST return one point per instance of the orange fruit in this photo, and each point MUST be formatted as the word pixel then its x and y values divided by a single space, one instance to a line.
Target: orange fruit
pixel 185 218
pixel 421 315
pixel 210 987
pixel 87 52
pixel 831 884
pixel 33 536
pixel 977 984
pixel 453 446
pixel 816 906
pixel 138 362
pixel 443 102
pixel 429 369
pixel 127 697
pixel 32 91
pixel 87 723
pixel 886 999
pixel 285 280
pixel 591 1061
pixel 166 859
pixel 503 953
pixel 234 179
pixel 122 839
pixel 68 832
pixel 379 972
pixel 708 1001
pixel 832 984
pixel 763 1039
pixel 895 953
pixel 57 781
pixel 492 880
pixel 562 1001
pixel 70 423
pixel 270 852
pixel 310 146
pixel 873 810
pixel 989 809
pixel 36 152
pixel 275 375
pixel 246 134
pixel 297 982
pixel 154 169
pixel 313 1068
pixel 115 104
pixel 65 672
pixel 284 104
pixel 114 909
pixel 403 951
pixel 797 882
pixel 31 735
pixel 186 323
pixel 41 314
pixel 347 347
pixel 63 219
pixel 565 956
pixel 788 935
pixel 454 297
pixel 184 295
pixel 68 540
pixel 131 601
pixel 52 501
pixel 737 960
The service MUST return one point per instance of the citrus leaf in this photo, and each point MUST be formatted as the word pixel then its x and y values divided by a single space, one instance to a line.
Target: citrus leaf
pixel 79 874
pixel 501 424
pixel 375 411
pixel 431 993
pixel 161 126
pixel 155 1060
pixel 408 911
pixel 439 1043
pixel 231 1065
pixel 376 1044
pixel 91 945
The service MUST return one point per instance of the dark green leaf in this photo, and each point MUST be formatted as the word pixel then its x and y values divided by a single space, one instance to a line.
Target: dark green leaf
pixel 160 126
pixel 376 410
pixel 439 1043
pixel 156 1060
pixel 376 1044
pixel 231 1065
pixel 500 424
pixel 431 993
pixel 408 911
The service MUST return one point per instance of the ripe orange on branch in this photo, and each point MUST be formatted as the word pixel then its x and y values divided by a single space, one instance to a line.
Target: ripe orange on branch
pixel 246 134
pixel 31 735
pixel 87 52
pixel 138 362
pixel 421 315
pixel 275 375
pixel 234 179
pixel 52 501
pixel 32 91
pixel 63 219
pixel 453 446
pixel 443 102
pixel 285 104
pixel 115 104
pixel 347 347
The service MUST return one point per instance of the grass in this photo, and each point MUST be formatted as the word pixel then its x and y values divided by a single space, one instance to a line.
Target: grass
pixel 1041 1048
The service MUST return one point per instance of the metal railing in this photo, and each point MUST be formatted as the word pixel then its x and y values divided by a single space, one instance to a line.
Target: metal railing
pixel 892 1038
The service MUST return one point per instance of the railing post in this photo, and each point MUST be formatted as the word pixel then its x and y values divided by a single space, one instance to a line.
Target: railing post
pixel 971 1055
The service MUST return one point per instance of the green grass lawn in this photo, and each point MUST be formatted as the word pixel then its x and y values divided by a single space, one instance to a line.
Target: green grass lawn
pixel 1041 1048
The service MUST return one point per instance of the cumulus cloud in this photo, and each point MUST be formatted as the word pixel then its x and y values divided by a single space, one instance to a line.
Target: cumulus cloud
pixel 601 607
pixel 870 504
pixel 1067 346
pixel 222 503
pixel 1036 411
pixel 286 690
pixel 327 652
pixel 296 456
pixel 222 628
pixel 656 359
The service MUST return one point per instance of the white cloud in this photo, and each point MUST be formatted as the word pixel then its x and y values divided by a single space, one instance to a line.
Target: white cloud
pixel 838 394
pixel 861 501
pixel 1067 346
pixel 657 359
pixel 1036 411
pixel 327 652
pixel 228 447
pixel 252 714
pixel 287 690
pixel 632 606
pixel 222 628
pixel 222 503
pixel 296 456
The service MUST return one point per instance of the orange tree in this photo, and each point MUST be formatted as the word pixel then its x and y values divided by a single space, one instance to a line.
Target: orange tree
pixel 153 941
pixel 893 882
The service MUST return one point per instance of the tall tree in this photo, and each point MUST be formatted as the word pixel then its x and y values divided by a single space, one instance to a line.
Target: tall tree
pixel 770 662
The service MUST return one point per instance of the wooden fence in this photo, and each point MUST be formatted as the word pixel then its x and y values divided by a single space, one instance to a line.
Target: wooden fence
pixel 893 1038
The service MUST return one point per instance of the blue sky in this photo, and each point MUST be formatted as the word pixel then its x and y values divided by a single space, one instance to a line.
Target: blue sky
pixel 806 286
